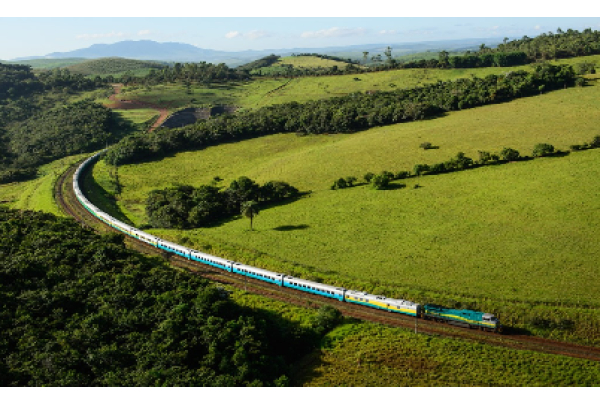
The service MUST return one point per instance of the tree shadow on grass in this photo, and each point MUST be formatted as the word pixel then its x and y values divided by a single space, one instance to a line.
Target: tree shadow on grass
pixel 104 200
pixel 291 227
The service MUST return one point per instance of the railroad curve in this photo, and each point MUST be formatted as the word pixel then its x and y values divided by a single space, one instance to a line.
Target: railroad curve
pixel 67 201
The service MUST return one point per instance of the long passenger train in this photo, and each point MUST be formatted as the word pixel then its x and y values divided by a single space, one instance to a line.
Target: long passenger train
pixel 465 318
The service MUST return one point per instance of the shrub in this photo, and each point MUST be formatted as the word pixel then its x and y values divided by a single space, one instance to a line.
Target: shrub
pixel 543 150
pixel 419 169
pixel 368 176
pixel 339 184
pixel 402 175
pixel 380 181
pixel 509 154
pixel 350 180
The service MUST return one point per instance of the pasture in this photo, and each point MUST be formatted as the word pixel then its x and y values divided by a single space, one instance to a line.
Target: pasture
pixel 309 62
pixel 518 239
pixel 37 194
pixel 372 355
pixel 267 91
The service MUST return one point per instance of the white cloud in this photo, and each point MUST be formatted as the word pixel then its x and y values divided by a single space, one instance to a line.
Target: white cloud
pixel 388 32
pixel 144 32
pixel 537 27
pixel 233 34
pixel 93 36
pixel 334 32
pixel 254 34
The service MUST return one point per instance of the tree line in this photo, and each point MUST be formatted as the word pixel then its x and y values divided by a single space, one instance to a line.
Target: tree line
pixel 187 73
pixel 80 309
pixel 460 162
pixel 189 207
pixel 354 112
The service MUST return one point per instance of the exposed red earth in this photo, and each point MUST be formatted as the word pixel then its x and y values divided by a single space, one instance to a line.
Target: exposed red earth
pixel 121 104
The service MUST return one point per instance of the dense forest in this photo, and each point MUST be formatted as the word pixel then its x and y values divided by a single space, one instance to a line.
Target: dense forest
pixel 354 112
pixel 189 207
pixel 79 309
pixel 38 125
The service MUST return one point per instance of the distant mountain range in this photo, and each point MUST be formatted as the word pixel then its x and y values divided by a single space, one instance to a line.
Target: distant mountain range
pixel 180 52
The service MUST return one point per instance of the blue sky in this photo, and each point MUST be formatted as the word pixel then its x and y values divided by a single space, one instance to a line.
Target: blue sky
pixel 268 25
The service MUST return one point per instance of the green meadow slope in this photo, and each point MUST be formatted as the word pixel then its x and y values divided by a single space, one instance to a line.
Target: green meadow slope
pixel 506 238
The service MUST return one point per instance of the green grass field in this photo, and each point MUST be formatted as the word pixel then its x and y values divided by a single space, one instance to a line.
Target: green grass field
pixel 471 237
pixel 371 355
pixel 309 62
pixel 37 194
pixel 267 91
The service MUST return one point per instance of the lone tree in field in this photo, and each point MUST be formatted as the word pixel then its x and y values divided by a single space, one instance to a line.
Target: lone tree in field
pixel 250 209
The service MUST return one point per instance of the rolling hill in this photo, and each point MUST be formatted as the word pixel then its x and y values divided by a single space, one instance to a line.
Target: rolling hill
pixel 104 66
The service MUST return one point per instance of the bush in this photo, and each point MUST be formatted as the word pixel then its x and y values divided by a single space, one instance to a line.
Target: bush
pixel 426 145
pixel 543 150
pixel 380 181
pixel 402 175
pixel 327 318
pixel 509 154
pixel 339 184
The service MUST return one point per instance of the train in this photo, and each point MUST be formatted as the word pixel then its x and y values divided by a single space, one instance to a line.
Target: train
pixel 459 317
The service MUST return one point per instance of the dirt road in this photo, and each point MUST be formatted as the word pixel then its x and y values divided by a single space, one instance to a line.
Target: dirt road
pixel 118 103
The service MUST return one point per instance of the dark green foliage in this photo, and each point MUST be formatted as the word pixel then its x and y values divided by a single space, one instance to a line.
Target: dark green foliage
pixel 426 145
pixel 339 184
pixel 343 183
pixel 487 158
pixel 420 169
pixel 17 81
pixel 113 65
pixel 353 112
pixel 203 73
pixel 17 175
pixel 33 131
pixel 380 181
pixel 584 68
pixel 80 309
pixel 250 210
pixel 80 127
pixel 402 175
pixel 188 207
pixel 594 144
pixel 328 317
pixel 543 150
pixel 368 176
pixel 509 154
pixel 260 63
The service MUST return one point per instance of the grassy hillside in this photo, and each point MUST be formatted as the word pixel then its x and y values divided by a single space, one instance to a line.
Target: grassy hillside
pixel 106 66
pixel 472 237
pixel 267 91
pixel 364 354
pixel 48 63
pixel 37 194
pixel 370 355
pixel 264 92
pixel 309 62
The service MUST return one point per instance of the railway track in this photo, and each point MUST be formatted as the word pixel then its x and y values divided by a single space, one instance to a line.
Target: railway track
pixel 66 199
